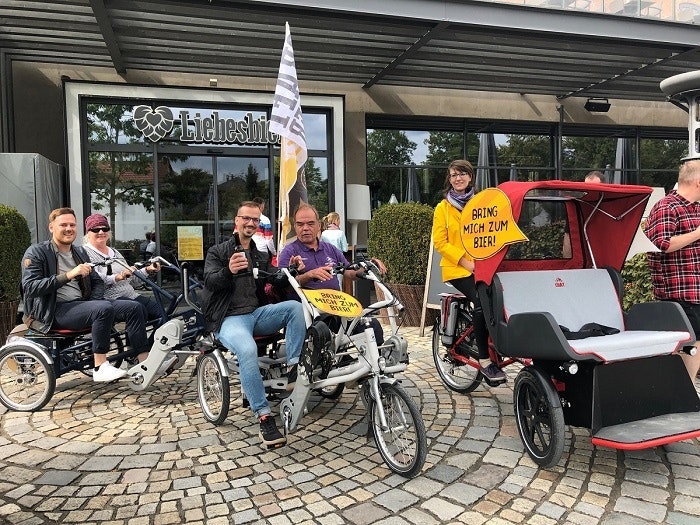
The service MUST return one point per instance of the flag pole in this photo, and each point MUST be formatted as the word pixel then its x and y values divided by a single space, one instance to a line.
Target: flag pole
pixel 287 122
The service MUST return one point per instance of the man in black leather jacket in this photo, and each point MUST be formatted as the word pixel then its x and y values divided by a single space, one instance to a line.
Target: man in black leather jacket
pixel 236 308
pixel 60 289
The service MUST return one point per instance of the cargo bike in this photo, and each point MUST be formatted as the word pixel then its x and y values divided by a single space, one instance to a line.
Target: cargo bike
pixel 553 304
pixel 31 362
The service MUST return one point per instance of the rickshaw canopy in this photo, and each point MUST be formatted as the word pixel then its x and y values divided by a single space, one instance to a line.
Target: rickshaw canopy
pixel 601 222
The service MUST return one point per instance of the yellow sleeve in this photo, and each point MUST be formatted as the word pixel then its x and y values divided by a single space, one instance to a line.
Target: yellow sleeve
pixel 440 235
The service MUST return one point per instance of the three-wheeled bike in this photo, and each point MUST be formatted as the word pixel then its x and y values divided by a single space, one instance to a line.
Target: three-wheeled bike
pixel 554 304
pixel 30 362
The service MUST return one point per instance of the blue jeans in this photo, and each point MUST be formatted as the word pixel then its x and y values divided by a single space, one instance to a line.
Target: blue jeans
pixel 237 333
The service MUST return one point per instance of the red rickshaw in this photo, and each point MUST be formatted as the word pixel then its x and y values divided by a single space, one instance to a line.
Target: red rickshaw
pixel 554 305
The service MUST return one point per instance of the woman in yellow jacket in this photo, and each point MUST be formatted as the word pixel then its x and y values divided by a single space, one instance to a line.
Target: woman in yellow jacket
pixel 456 265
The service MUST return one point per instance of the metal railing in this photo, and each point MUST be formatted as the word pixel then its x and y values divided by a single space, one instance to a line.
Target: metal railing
pixel 682 11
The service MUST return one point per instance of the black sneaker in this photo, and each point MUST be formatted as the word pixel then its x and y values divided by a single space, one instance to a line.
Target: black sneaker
pixel 291 378
pixel 269 434
pixel 493 374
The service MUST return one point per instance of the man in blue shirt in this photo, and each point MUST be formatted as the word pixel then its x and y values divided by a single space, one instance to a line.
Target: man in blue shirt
pixel 318 257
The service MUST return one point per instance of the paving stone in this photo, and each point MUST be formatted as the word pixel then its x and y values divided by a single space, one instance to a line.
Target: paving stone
pixel 57 477
pixel 109 456
pixel 396 500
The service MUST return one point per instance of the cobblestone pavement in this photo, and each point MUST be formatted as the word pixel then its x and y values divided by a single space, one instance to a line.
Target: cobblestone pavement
pixel 105 454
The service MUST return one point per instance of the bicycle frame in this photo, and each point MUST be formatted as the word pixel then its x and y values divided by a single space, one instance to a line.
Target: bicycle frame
pixel 371 366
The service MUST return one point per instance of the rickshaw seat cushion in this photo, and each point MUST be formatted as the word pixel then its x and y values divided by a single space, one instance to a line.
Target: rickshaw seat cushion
pixel 574 297
pixel 536 303
pixel 629 345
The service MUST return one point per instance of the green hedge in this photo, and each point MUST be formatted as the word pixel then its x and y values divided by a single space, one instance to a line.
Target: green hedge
pixel 637 279
pixel 399 235
pixel 14 240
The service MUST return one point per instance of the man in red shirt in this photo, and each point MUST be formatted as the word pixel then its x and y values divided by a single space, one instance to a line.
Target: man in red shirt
pixel 674 228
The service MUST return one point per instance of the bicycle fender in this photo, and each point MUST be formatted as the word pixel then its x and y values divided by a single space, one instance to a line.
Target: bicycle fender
pixel 385 380
pixel 21 341
pixel 222 362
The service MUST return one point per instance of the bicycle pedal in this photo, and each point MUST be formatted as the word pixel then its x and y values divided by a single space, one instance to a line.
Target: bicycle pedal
pixel 276 445
pixel 492 383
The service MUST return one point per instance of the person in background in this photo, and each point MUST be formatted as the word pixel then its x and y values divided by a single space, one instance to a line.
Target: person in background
pixel 331 232
pixel 144 245
pixel 61 290
pixel 263 238
pixel 117 278
pixel 457 265
pixel 596 177
pixel 673 226
pixel 235 306
pixel 151 248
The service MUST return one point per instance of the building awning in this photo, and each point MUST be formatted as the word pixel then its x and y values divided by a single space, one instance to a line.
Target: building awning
pixel 457 44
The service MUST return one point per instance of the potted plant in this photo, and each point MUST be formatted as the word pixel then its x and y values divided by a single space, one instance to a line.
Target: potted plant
pixel 14 240
pixel 399 235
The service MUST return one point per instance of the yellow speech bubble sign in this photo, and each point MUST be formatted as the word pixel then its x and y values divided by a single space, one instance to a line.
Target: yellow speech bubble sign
pixel 488 225
pixel 334 302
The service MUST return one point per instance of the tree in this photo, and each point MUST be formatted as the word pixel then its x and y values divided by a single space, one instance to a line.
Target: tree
pixel 445 146
pixel 389 147
pixel 385 148
pixel 116 177
pixel 528 151
pixel 316 187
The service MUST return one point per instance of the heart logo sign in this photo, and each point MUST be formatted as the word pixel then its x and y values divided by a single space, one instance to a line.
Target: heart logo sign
pixel 153 123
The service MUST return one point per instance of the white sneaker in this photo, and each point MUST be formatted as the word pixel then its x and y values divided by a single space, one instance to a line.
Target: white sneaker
pixel 107 372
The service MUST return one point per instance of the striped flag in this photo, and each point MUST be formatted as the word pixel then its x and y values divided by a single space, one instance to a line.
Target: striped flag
pixel 287 122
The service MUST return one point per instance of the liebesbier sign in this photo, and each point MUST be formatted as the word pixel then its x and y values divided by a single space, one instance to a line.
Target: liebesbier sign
pixel 155 124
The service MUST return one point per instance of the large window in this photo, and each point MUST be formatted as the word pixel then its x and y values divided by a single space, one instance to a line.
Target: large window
pixel 197 179
pixel 405 163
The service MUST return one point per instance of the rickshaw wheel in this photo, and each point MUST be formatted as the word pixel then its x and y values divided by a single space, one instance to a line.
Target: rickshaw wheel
pixel 455 375
pixel 27 380
pixel 213 389
pixel 539 416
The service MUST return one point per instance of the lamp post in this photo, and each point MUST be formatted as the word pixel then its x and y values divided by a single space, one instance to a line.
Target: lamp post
pixel 358 209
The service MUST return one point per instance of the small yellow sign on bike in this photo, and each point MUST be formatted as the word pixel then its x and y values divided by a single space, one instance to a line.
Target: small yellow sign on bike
pixel 334 302
pixel 488 224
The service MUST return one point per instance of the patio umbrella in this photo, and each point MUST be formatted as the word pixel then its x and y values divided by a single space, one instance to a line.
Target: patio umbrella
pixel 412 187
pixel 486 172
pixel 513 173
pixel 608 173
pixel 624 163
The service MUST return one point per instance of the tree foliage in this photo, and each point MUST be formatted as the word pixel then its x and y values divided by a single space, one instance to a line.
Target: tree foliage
pixel 389 146
pixel 117 177
pixel 445 146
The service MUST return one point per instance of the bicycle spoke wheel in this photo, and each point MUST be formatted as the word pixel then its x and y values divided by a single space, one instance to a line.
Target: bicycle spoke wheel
pixel 213 389
pixel 403 444
pixel 457 376
pixel 331 392
pixel 27 380
pixel 540 421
